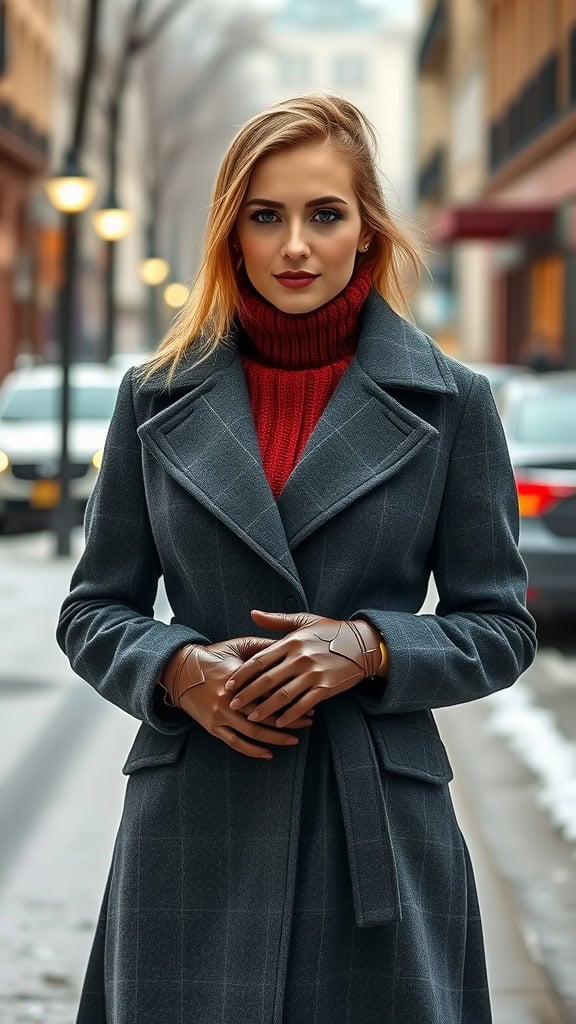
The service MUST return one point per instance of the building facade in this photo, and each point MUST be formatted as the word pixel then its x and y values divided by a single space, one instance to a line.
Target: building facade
pixel 496 181
pixel 26 66
pixel 532 161
pixel 454 305
pixel 365 55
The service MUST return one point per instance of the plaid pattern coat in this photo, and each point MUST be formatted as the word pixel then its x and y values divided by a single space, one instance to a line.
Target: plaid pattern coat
pixel 332 884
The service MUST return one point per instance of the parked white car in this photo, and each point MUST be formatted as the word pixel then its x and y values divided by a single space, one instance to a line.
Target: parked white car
pixel 30 433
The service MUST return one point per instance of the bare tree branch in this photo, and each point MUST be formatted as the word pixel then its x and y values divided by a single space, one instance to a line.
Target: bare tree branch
pixel 235 37
pixel 154 30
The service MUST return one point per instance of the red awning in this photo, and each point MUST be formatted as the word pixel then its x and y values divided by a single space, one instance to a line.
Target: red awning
pixel 492 221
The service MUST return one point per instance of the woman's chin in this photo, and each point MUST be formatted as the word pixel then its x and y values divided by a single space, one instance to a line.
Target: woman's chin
pixel 297 301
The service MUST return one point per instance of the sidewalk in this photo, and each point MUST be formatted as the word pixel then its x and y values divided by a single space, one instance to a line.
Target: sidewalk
pixel 51 896
pixel 535 867
pixel 520 991
pixel 61 789
pixel 35 678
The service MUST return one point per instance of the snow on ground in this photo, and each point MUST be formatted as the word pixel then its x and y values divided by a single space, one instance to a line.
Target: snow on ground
pixel 532 733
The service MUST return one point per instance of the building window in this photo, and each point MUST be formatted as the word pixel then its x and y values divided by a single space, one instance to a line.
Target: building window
pixel 295 69
pixel 349 70
pixel 468 120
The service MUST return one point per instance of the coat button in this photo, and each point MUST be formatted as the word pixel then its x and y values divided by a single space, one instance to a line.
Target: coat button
pixel 290 604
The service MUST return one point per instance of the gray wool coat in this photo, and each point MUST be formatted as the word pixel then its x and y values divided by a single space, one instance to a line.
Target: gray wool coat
pixel 330 885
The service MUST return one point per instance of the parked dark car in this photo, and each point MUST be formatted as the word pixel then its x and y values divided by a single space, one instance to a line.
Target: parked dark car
pixel 539 417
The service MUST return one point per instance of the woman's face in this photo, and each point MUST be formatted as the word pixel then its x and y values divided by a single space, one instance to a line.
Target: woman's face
pixel 299 228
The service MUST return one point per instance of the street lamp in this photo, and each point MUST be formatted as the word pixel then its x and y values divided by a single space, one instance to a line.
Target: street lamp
pixel 176 294
pixel 69 189
pixel 154 270
pixel 112 222
pixel 71 192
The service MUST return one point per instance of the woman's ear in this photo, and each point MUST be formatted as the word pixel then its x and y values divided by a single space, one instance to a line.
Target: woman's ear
pixel 364 241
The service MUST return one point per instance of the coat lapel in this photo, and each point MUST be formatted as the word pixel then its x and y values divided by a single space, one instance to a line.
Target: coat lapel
pixel 364 435
pixel 206 440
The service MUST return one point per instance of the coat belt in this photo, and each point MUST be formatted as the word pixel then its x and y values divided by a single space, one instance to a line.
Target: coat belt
pixel 371 858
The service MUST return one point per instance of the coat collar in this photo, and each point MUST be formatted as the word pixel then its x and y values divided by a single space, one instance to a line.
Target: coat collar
pixel 206 438
pixel 391 350
pixel 397 354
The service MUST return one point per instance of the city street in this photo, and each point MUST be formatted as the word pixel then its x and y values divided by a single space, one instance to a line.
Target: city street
pixel 61 790
pixel 375 364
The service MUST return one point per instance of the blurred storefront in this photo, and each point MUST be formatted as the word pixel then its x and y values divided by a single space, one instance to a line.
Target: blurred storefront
pixel 532 160
pixel 26 46
pixel 503 213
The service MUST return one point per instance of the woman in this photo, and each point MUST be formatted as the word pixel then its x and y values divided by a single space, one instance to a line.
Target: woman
pixel 296 461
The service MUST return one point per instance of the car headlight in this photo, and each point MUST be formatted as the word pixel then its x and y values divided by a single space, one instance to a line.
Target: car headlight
pixel 97 458
pixel 4 461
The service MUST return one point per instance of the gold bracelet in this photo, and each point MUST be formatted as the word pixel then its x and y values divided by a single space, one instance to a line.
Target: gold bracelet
pixel 383 657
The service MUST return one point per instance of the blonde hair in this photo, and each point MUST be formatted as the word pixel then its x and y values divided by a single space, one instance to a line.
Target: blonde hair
pixel 206 319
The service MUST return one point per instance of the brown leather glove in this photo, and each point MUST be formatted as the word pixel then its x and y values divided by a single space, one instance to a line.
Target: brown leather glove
pixel 318 658
pixel 194 679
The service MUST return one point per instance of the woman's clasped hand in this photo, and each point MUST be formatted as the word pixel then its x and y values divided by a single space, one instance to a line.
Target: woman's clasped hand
pixel 317 658
pixel 195 679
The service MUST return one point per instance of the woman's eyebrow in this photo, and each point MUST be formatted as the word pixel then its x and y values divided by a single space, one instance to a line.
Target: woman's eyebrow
pixel 281 206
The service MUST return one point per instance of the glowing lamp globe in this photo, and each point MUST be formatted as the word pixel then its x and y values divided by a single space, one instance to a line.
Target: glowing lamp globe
pixel 70 191
pixel 112 223
pixel 175 294
pixel 154 270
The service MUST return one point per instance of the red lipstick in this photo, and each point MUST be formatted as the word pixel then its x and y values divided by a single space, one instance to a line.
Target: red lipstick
pixel 296 278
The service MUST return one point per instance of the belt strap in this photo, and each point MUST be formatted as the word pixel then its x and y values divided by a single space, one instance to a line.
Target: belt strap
pixel 370 850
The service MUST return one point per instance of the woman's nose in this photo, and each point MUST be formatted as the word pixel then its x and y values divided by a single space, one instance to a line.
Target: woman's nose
pixel 295 246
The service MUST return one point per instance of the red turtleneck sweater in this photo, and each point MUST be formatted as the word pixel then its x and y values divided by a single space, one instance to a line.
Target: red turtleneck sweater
pixel 292 364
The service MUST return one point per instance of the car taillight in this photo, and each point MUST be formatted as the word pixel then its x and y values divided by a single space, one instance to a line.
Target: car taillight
pixel 535 498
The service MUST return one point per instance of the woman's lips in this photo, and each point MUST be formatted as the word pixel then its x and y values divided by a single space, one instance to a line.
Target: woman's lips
pixel 296 280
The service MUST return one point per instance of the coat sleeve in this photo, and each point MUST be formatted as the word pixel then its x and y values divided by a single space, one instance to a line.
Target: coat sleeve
pixel 106 625
pixel 481 637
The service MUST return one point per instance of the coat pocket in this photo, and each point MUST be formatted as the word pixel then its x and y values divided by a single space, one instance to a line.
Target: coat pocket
pixel 411 745
pixel 151 748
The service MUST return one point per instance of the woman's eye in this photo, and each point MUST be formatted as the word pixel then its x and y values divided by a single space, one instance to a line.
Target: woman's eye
pixel 326 216
pixel 264 217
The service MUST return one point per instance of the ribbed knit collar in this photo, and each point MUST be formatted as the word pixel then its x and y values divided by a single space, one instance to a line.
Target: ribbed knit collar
pixel 298 341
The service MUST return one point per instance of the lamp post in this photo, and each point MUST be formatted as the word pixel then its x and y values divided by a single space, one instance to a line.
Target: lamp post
pixel 111 222
pixel 71 192
pixel 154 269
